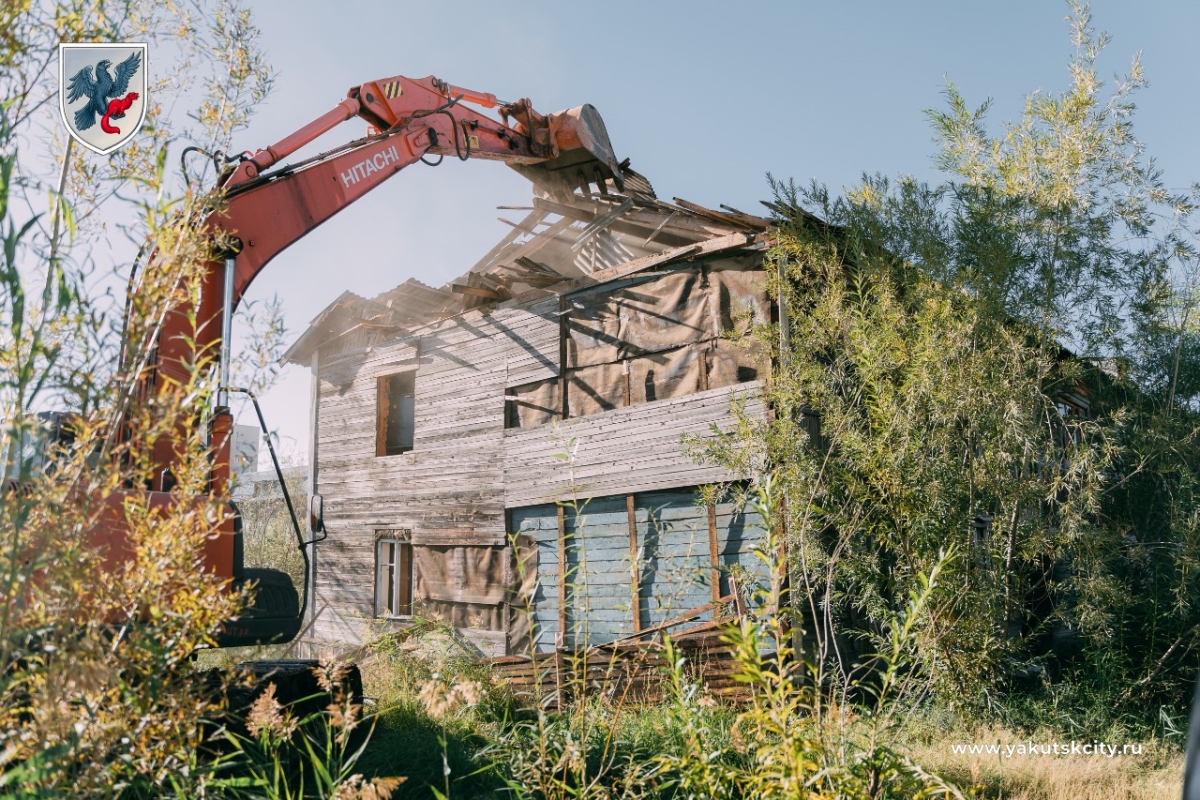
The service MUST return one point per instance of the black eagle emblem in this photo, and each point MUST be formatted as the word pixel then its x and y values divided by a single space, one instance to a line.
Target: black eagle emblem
pixel 100 89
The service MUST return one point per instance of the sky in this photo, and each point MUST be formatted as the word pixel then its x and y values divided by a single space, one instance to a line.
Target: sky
pixel 705 100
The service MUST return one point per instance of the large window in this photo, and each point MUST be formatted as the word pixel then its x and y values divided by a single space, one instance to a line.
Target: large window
pixel 395 404
pixel 393 574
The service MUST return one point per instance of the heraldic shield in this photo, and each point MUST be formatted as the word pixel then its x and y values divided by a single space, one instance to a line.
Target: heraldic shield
pixel 102 92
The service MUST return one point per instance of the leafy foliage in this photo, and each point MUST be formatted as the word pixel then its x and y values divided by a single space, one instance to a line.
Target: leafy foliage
pixel 97 695
pixel 997 364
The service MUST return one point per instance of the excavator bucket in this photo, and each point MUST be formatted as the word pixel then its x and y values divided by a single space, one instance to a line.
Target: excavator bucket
pixel 585 154
pixel 581 136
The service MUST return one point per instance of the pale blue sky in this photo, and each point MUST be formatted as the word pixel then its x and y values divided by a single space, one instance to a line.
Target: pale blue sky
pixel 704 97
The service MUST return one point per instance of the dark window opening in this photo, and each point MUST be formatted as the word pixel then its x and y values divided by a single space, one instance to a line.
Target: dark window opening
pixel 396 407
pixel 746 374
pixel 651 391
pixel 393 578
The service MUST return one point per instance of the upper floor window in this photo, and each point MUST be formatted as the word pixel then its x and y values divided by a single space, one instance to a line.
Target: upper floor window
pixel 395 405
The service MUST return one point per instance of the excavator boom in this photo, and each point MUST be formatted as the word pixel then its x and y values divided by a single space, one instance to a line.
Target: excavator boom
pixel 267 207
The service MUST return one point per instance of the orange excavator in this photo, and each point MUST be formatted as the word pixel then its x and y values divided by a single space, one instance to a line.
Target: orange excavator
pixel 265 208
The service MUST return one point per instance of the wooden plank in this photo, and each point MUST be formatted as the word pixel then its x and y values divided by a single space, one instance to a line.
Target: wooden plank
pixel 714 551
pixel 472 291
pixel 743 221
pixel 655 413
pixel 405 557
pixel 530 221
pixel 617 452
pixel 563 335
pixel 635 571
pixel 679 228
pixel 686 616
pixel 562 575
pixel 617 433
pixel 689 252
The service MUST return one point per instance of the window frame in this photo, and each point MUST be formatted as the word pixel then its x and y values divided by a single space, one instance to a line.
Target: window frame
pixel 383 404
pixel 394 588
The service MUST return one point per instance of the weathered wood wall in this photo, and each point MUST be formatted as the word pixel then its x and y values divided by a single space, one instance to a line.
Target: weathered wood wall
pixel 448 491
pixel 466 471
pixel 670 560
pixel 632 449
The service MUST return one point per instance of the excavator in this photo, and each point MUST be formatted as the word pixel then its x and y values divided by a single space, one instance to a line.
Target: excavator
pixel 265 207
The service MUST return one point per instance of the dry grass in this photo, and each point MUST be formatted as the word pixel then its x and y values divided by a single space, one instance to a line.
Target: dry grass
pixel 1157 774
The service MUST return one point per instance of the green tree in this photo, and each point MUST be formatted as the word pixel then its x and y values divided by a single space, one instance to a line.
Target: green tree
pixel 1000 363
pixel 95 698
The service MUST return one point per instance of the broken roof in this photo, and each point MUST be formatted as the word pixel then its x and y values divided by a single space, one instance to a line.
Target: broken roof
pixel 569 238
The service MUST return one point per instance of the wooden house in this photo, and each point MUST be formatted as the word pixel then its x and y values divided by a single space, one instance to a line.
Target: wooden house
pixel 505 453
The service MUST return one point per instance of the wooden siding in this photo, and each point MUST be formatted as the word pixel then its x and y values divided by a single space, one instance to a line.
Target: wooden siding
pixel 673 563
pixel 622 451
pixel 449 489
pixel 465 470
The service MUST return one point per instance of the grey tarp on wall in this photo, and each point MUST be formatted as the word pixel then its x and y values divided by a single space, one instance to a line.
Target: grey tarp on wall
pixel 467 586
pixel 535 403
pixel 731 362
pixel 478 587
pixel 525 569
pixel 739 293
pixel 661 314
pixel 591 390
pixel 654 340
pixel 661 376
pixel 461 574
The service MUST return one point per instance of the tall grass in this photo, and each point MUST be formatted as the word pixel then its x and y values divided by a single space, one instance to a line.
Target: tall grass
pixel 455 732
pixel 795 738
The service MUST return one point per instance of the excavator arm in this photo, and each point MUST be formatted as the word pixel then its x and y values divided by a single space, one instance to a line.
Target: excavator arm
pixel 267 210
pixel 267 207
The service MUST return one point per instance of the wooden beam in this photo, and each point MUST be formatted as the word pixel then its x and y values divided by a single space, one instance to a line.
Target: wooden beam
pixel 538 268
pixel 682 618
pixel 530 221
pixel 735 593
pixel 635 569
pixel 683 229
pixel 521 226
pixel 714 551
pixel 759 222
pixel 564 330
pixel 692 251
pixel 534 244
pixel 744 221
pixel 474 291
pixel 404 563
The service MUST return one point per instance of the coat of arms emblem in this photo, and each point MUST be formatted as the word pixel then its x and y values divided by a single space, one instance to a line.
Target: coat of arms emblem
pixel 102 92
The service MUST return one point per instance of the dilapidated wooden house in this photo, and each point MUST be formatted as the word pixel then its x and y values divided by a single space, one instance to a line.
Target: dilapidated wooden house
pixel 505 453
